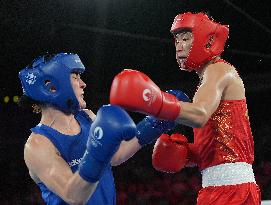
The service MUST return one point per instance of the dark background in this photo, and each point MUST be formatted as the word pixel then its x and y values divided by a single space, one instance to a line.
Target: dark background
pixel 110 36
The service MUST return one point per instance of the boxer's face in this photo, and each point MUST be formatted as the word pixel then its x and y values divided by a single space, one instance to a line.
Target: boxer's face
pixel 183 44
pixel 78 86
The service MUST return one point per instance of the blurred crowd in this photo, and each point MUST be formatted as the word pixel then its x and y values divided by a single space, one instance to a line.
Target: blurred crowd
pixel 141 186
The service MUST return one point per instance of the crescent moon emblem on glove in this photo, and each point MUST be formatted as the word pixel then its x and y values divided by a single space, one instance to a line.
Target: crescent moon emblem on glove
pixel 98 133
pixel 146 95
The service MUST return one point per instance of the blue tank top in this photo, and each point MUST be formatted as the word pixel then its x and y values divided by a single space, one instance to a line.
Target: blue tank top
pixel 72 149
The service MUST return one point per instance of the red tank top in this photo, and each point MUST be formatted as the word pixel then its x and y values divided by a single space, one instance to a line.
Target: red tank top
pixel 225 138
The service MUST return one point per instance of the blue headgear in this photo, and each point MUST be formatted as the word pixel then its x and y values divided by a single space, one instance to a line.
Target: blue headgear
pixel 39 79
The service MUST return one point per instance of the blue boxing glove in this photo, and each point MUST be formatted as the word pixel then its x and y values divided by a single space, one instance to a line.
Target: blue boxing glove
pixel 111 126
pixel 151 128
pixel 180 95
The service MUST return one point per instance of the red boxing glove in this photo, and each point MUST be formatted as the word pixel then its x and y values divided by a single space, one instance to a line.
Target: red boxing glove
pixel 170 153
pixel 135 91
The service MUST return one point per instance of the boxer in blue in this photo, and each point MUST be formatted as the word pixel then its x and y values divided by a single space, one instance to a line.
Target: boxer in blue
pixel 69 154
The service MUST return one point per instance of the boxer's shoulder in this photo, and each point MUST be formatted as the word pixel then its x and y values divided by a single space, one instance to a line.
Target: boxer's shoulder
pixel 36 139
pixel 37 144
pixel 220 70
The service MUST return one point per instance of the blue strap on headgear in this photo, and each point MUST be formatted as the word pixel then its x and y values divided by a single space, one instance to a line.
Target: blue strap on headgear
pixel 49 81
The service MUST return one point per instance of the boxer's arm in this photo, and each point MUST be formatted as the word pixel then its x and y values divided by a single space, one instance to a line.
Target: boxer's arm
pixel 126 150
pixel 148 129
pixel 43 161
pixel 207 98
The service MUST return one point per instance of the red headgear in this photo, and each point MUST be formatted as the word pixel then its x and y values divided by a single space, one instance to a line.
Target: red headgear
pixel 209 37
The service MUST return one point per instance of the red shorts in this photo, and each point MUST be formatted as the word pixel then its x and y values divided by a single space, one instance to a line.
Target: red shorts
pixel 240 194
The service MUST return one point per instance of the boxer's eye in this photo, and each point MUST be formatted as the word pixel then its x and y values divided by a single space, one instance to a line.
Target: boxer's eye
pixel 76 76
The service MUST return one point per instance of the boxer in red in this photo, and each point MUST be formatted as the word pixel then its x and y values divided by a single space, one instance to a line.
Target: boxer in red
pixel 223 147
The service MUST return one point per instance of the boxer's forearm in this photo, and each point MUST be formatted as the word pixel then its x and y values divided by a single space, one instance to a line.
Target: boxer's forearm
pixel 125 151
pixel 77 190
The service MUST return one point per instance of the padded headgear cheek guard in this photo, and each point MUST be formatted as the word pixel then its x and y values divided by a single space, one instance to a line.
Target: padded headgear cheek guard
pixel 49 81
pixel 209 38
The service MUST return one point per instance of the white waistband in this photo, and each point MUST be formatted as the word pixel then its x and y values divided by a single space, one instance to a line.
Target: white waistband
pixel 227 174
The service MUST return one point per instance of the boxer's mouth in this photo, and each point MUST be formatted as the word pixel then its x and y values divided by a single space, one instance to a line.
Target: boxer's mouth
pixel 181 59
